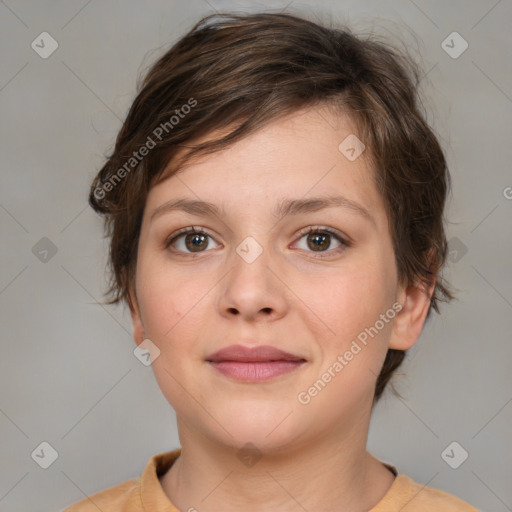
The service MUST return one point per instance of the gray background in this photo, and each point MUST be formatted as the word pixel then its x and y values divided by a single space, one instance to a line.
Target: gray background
pixel 68 375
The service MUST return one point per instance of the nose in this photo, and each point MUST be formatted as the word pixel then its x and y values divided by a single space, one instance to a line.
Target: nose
pixel 252 289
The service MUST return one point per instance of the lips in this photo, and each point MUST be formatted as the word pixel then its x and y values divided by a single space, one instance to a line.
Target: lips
pixel 254 364
pixel 252 354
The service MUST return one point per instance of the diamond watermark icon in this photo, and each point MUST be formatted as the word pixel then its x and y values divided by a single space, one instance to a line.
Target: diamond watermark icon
pixel 454 455
pixel 454 45
pixel 456 249
pixel 44 250
pixel 249 455
pixel 146 352
pixel 44 45
pixel 351 147
pixel 249 249
pixel 45 455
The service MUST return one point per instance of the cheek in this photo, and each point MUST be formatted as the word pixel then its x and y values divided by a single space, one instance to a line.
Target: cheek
pixel 169 298
pixel 350 303
pixel 176 312
pixel 161 311
pixel 172 314
pixel 347 300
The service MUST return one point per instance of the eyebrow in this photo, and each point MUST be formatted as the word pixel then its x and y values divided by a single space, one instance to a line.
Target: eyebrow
pixel 285 208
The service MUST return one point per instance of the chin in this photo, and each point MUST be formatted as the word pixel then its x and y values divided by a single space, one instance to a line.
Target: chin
pixel 268 432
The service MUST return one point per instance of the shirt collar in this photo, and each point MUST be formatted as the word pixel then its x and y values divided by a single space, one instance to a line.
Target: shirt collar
pixel 152 494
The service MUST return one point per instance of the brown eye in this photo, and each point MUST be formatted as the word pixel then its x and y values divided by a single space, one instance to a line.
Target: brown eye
pixel 318 241
pixel 189 240
pixel 196 241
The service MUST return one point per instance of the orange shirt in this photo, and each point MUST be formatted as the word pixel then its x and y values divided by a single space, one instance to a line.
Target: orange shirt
pixel 145 494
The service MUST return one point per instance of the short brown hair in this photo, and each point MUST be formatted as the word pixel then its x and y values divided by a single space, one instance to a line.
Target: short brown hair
pixel 239 72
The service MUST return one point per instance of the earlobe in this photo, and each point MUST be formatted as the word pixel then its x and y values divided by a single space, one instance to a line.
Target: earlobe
pixel 408 323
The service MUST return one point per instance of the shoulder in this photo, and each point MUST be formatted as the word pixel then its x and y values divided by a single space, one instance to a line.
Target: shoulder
pixel 113 499
pixel 407 495
pixel 136 495
pixel 428 496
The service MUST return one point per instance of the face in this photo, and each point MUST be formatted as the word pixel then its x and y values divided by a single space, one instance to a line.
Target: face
pixel 295 255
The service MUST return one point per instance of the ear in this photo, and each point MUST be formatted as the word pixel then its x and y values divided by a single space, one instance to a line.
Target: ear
pixel 138 328
pixel 408 323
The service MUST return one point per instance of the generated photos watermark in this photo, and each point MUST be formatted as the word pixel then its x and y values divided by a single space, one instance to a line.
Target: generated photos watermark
pixel 305 397
pixel 137 156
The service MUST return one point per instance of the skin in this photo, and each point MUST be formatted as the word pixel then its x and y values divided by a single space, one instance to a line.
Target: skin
pixel 191 304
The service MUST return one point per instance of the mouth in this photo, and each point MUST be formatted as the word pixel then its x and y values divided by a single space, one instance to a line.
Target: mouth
pixel 255 364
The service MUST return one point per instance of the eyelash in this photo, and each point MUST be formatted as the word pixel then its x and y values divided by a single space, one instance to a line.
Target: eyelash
pixel 307 231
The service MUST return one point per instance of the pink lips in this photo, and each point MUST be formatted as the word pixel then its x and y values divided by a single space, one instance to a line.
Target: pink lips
pixel 254 364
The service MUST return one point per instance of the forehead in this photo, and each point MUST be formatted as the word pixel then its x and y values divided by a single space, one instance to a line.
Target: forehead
pixel 308 153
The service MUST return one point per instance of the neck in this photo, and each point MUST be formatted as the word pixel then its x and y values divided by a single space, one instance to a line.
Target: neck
pixel 329 474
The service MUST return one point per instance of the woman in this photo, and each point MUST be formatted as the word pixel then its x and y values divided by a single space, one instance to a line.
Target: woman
pixel 275 206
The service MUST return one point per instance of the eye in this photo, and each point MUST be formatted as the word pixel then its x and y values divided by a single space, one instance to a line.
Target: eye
pixel 195 240
pixel 190 239
pixel 319 240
